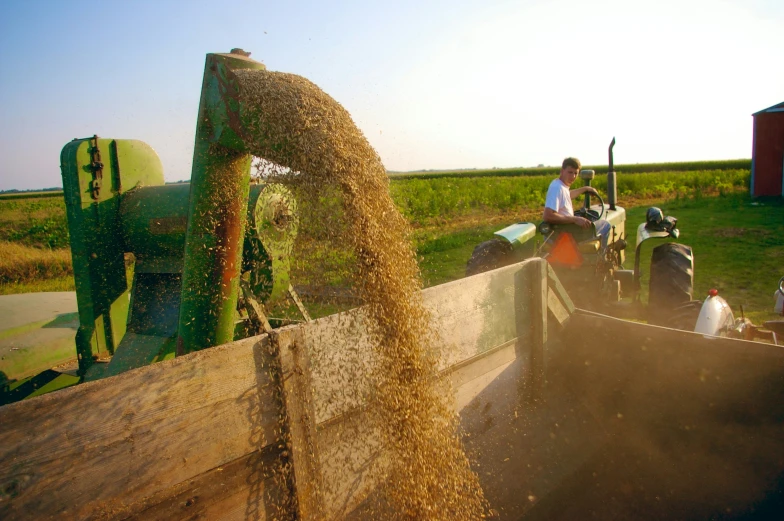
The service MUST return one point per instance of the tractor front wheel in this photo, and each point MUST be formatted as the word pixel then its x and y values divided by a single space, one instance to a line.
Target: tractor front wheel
pixel 671 284
pixel 489 255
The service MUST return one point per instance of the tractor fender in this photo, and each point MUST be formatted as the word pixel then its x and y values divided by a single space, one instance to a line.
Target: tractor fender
pixel 715 316
pixel 518 233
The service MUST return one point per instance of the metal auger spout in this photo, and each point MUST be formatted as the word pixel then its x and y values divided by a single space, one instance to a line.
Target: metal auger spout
pixel 217 209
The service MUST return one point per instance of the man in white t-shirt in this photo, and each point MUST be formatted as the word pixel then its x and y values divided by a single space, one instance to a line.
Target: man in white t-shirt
pixel 558 204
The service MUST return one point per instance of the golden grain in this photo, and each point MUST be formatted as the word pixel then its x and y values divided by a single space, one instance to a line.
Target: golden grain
pixel 343 193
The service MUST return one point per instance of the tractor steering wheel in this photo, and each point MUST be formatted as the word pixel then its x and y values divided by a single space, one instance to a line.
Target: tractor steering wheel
pixel 592 215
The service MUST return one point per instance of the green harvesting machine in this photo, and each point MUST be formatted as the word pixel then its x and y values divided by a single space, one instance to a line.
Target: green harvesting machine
pixel 206 256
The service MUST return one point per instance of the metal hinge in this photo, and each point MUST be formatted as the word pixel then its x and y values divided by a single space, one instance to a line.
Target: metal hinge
pixel 97 168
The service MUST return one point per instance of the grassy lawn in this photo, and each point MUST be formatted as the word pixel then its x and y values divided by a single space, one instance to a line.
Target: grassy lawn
pixel 442 258
pixel 738 247
pixel 737 242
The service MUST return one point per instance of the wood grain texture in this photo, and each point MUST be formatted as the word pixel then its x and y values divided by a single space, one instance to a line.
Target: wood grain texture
pixel 469 316
pixel 147 442
pixel 244 489
pixel 557 309
pixel 555 283
pixel 481 324
pixel 99 448
pixel 538 276
pixel 296 392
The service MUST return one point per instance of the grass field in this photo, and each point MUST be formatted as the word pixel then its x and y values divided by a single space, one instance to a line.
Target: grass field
pixel 737 241
pixel 637 168
pixel 737 244
pixel 432 201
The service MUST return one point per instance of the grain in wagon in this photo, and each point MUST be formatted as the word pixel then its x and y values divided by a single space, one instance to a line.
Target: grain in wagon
pixel 310 143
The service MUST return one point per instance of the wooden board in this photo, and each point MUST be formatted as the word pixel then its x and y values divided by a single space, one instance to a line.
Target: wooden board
pixel 297 401
pixel 481 325
pixel 102 448
pixel 671 424
pixel 155 442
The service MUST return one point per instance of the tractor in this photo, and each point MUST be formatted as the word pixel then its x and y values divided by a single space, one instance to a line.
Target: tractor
pixel 596 276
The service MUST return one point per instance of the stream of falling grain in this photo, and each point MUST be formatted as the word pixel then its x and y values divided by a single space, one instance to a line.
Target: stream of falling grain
pixel 293 123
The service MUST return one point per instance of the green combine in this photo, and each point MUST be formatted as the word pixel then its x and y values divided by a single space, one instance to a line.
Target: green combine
pixel 206 256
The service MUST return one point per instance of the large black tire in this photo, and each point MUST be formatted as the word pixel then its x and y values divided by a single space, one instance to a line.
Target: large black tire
pixel 489 255
pixel 672 282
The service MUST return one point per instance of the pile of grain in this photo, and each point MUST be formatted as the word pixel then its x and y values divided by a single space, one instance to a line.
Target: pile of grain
pixel 323 155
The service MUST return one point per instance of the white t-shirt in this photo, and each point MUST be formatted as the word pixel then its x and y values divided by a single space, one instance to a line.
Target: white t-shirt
pixel 558 198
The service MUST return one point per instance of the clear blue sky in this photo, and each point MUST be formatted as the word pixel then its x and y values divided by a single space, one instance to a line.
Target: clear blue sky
pixel 453 84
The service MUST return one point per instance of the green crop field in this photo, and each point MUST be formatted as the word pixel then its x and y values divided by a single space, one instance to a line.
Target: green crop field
pixel 729 164
pixel 737 244
pixel 425 201
pixel 737 241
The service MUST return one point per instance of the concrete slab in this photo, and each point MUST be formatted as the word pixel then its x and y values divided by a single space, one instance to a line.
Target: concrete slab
pixel 25 308
pixel 37 332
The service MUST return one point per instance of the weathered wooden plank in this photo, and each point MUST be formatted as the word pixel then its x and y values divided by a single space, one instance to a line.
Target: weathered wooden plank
pixel 474 367
pixel 555 283
pixel 476 322
pixel 351 460
pixel 467 392
pixel 539 288
pixel 246 488
pixel 478 313
pixel 297 397
pixel 557 309
pixel 350 451
pixel 151 435
pixel 469 317
pixel 340 353
pixel 99 448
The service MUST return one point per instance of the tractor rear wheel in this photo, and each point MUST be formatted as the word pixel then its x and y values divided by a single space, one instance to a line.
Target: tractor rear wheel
pixel 489 255
pixel 672 282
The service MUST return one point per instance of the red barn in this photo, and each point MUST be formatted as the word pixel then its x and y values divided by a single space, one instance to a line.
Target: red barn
pixel 767 156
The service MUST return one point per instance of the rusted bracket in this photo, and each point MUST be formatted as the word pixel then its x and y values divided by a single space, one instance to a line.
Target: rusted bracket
pixel 298 302
pixel 96 165
pixel 255 309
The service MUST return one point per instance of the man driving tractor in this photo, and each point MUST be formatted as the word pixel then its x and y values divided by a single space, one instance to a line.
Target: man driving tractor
pixel 558 204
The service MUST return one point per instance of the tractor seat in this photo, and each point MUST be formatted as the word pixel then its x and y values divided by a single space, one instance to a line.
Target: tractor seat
pixel 587 239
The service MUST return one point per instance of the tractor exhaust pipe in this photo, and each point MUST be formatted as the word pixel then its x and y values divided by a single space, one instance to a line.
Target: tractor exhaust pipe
pixel 612 188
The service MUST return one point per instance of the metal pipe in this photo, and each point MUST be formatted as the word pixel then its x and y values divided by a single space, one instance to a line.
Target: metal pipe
pixel 612 179
pixel 217 210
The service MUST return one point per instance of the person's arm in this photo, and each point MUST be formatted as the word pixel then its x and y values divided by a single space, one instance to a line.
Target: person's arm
pixel 580 191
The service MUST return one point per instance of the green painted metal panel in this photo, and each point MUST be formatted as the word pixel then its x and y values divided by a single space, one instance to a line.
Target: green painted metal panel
pixel 154 220
pixel 518 233
pixel 92 198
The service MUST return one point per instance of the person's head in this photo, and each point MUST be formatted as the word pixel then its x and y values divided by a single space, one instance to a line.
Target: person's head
pixel 569 170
